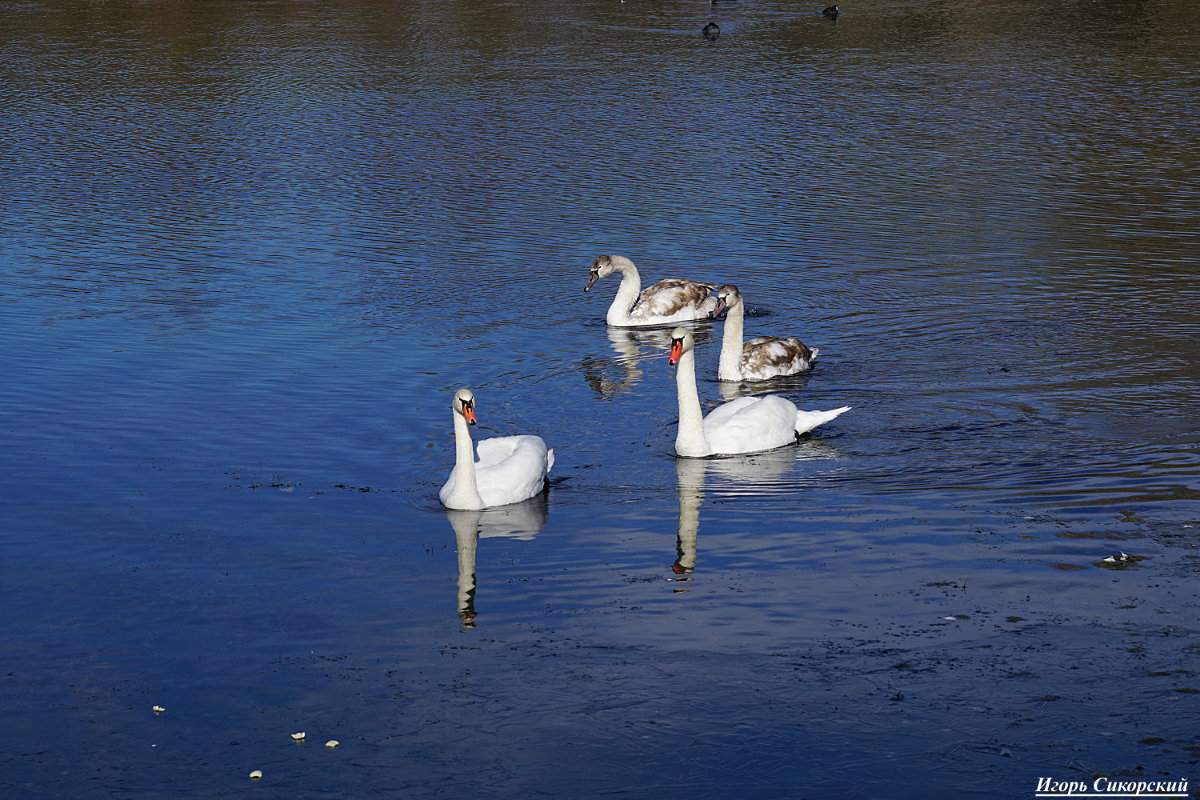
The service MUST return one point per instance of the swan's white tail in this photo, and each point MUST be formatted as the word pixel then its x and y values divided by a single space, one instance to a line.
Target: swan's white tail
pixel 807 420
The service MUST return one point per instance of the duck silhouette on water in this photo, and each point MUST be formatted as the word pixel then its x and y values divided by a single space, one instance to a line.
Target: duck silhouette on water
pixel 831 12
pixel 711 31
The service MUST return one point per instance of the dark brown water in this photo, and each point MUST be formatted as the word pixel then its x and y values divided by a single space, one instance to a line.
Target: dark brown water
pixel 250 249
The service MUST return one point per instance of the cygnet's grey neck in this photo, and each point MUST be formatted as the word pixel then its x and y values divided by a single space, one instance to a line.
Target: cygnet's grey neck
pixel 627 294
pixel 728 369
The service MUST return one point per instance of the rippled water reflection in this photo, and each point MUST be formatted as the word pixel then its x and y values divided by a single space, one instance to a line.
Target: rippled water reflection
pixel 250 251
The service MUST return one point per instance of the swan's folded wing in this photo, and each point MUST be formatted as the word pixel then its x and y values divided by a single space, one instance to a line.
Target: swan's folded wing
pixel 750 424
pixel 767 356
pixel 511 468
pixel 729 410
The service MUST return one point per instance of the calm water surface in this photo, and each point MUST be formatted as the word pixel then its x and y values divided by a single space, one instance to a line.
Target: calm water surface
pixel 250 249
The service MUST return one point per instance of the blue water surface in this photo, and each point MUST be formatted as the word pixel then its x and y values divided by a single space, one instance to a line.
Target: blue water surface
pixel 250 250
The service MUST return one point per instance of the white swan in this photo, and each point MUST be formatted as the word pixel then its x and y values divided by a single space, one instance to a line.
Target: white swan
pixel 665 303
pixel 745 425
pixel 510 468
pixel 761 358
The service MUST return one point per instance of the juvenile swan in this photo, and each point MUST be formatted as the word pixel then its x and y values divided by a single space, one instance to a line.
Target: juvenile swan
pixel 761 358
pixel 745 425
pixel 510 468
pixel 665 303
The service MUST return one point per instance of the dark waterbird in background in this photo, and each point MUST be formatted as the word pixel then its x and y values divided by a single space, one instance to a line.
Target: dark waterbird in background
pixel 831 12
pixel 711 31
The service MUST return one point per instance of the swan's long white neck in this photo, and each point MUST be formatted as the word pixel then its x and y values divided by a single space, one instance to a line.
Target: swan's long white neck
pixel 689 438
pixel 466 490
pixel 731 343
pixel 627 294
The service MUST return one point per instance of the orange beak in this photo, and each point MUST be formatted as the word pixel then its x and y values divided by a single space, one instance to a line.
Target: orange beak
pixel 676 351
pixel 469 413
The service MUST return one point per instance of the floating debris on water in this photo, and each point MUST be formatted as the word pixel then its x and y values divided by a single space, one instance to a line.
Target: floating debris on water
pixel 332 743
pixel 256 775
pixel 1118 560
pixel 158 709
pixel 299 736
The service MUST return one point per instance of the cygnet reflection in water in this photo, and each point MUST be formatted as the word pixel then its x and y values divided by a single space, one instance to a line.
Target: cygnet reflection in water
pixel 610 376
pixel 517 521
pixel 787 385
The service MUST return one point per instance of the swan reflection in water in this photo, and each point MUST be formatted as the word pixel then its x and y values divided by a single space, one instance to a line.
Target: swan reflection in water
pixel 609 376
pixel 755 474
pixel 790 386
pixel 517 521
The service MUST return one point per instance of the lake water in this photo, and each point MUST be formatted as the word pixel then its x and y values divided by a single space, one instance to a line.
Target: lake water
pixel 250 250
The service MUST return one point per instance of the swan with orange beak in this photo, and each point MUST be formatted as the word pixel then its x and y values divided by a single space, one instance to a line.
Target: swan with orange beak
pixel 509 468
pixel 745 425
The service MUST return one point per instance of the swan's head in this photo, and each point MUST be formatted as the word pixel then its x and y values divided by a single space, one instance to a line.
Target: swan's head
pixel 681 342
pixel 728 296
pixel 464 403
pixel 606 265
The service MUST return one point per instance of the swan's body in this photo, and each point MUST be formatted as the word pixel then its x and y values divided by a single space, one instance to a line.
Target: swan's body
pixel 745 425
pixel 667 302
pixel 761 358
pixel 510 468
